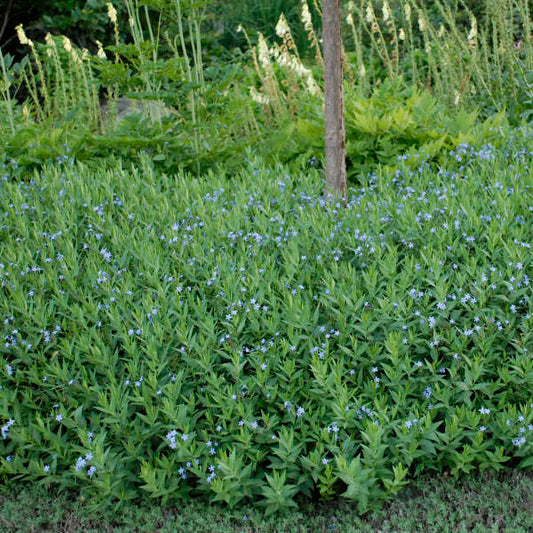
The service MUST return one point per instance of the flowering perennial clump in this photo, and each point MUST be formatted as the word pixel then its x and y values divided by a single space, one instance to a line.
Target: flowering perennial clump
pixel 246 339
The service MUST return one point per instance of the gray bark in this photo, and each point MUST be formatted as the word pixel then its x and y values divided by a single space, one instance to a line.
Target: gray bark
pixel 335 135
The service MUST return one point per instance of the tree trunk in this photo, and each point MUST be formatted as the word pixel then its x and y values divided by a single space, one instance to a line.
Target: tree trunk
pixel 335 135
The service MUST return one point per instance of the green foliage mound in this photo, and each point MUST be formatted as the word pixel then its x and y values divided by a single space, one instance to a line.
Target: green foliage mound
pixel 394 122
pixel 245 340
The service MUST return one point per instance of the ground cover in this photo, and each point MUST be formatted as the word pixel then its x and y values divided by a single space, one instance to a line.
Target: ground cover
pixel 483 503
pixel 240 339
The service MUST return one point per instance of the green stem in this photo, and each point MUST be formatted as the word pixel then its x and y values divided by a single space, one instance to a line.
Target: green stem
pixel 7 96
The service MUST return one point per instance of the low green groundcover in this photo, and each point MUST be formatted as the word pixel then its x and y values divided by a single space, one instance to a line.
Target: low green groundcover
pixel 476 503
pixel 242 339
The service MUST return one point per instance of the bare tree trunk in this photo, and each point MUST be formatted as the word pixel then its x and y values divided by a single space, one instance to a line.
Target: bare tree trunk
pixel 335 135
